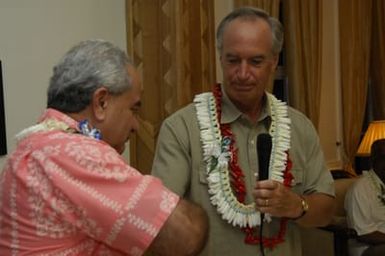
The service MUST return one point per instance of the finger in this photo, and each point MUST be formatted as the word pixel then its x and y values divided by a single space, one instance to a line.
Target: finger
pixel 266 184
pixel 262 193
pixel 264 202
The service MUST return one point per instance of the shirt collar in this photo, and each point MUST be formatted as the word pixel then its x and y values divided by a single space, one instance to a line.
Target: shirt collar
pixel 377 179
pixel 231 113
pixel 51 113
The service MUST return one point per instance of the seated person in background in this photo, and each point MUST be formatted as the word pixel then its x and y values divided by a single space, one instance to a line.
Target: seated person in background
pixel 365 204
pixel 66 190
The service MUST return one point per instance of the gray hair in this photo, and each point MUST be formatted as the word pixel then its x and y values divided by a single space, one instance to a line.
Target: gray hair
pixel 87 66
pixel 253 13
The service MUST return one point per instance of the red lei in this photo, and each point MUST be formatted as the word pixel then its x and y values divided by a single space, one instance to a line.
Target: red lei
pixel 238 183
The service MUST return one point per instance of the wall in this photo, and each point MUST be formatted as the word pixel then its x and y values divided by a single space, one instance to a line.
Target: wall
pixel 34 35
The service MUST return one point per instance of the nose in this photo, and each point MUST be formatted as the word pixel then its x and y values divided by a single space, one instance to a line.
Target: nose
pixel 243 71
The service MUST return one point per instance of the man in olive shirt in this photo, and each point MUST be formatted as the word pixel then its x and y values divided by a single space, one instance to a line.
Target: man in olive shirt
pixel 207 151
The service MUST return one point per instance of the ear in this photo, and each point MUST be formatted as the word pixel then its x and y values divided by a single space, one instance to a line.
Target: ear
pixel 275 61
pixel 100 100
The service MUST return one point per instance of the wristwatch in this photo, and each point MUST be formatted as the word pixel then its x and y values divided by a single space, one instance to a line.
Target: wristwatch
pixel 305 208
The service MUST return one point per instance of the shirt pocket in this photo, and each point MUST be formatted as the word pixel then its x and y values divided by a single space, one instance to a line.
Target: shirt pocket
pixel 298 180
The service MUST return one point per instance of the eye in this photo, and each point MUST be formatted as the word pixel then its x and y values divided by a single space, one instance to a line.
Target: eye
pixel 232 60
pixel 136 107
pixel 256 62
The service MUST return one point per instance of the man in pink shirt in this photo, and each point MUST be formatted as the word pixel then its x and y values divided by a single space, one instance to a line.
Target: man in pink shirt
pixel 66 190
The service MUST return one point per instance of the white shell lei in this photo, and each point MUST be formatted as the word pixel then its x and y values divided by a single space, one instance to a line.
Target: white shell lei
pixel 217 156
pixel 47 125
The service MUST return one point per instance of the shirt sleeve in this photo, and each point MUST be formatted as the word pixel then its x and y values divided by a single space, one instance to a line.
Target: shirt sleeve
pixel 309 166
pixel 90 186
pixel 172 150
pixel 358 205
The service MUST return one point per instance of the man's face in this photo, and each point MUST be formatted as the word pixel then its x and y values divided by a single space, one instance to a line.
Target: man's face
pixel 121 119
pixel 247 61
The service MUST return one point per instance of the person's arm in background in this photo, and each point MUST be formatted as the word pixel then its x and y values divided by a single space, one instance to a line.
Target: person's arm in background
pixel 359 208
pixel 375 237
pixel 184 232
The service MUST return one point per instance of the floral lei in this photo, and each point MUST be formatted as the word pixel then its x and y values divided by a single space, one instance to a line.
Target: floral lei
pixel 53 124
pixel 220 154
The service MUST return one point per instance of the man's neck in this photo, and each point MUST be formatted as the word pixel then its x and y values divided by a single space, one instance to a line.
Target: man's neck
pixel 252 111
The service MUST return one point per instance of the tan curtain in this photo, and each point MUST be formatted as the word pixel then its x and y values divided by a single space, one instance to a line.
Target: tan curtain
pixel 303 32
pixel 270 6
pixel 355 31
pixel 172 45
pixel 377 66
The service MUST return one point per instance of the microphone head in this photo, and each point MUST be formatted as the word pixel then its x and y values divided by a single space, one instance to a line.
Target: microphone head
pixel 264 145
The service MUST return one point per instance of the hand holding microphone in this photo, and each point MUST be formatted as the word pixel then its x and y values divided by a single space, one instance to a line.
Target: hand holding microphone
pixel 267 191
pixel 271 196
pixel 264 145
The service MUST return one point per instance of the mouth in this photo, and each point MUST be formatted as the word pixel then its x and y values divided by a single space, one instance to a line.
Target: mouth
pixel 243 87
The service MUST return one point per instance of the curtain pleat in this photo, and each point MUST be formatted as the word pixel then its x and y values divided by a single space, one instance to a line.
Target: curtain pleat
pixel 172 43
pixel 270 6
pixel 303 31
pixel 355 31
pixel 377 66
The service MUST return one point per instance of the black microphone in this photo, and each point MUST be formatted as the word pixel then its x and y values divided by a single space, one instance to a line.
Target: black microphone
pixel 264 145
pixel 264 152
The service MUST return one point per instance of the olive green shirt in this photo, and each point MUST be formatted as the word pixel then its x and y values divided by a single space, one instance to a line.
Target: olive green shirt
pixel 179 163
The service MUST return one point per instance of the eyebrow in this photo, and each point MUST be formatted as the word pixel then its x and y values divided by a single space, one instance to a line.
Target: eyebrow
pixel 260 56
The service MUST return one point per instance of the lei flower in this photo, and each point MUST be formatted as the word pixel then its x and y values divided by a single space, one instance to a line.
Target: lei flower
pixel 53 124
pixel 224 175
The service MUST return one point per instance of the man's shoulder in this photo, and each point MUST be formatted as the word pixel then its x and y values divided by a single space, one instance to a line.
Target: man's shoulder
pixel 59 142
pixel 361 186
pixel 300 123
pixel 186 113
pixel 297 116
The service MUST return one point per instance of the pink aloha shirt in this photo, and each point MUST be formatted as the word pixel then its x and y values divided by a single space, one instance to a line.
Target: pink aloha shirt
pixel 68 194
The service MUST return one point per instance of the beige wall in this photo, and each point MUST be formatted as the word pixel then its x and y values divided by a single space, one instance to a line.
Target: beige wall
pixel 34 34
